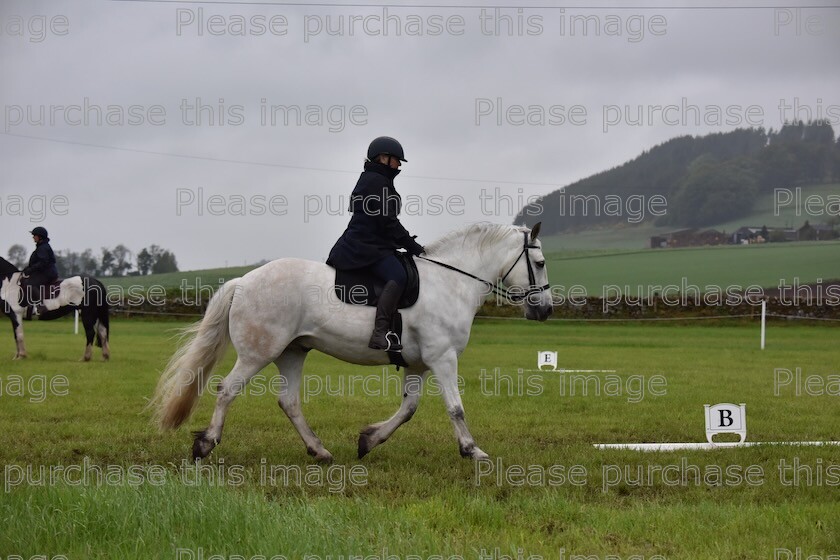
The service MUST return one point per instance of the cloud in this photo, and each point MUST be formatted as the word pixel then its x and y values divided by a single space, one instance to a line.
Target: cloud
pixel 422 89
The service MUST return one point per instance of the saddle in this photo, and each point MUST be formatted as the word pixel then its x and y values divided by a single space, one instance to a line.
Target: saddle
pixel 50 291
pixel 359 287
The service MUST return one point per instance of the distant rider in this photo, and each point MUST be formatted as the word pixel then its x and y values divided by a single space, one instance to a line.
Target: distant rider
pixel 42 270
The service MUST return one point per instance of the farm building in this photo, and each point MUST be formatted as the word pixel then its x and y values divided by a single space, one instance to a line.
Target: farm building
pixel 692 237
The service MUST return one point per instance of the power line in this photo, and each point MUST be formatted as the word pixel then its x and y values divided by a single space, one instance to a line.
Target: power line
pixel 267 164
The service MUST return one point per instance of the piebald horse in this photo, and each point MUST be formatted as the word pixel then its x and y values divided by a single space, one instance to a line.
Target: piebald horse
pixel 85 293
pixel 282 310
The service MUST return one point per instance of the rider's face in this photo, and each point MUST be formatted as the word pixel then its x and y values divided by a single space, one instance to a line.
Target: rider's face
pixel 390 161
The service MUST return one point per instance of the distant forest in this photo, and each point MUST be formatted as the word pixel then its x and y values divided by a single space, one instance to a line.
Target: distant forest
pixel 116 261
pixel 705 180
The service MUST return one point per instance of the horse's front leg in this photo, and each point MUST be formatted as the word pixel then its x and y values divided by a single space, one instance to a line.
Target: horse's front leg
pixel 373 435
pixel 17 330
pixel 446 372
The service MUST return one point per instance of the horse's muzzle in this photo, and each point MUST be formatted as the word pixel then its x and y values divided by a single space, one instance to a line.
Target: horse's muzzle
pixel 539 311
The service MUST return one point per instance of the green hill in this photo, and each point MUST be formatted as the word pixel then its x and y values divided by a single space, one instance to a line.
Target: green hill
pixel 637 237
pixel 208 277
pixel 693 181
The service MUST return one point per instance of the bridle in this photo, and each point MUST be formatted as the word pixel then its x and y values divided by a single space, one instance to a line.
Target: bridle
pixel 504 292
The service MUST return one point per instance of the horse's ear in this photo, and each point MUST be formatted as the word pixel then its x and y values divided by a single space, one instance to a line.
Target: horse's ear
pixel 535 231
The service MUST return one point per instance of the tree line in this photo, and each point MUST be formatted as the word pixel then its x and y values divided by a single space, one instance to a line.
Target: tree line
pixel 706 180
pixel 110 261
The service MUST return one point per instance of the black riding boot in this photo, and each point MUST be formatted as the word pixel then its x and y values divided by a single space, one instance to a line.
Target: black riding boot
pixel 382 337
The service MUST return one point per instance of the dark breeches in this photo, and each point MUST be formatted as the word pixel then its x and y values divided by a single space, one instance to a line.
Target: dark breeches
pixel 390 268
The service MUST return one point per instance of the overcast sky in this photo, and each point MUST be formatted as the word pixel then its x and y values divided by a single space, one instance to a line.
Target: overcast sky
pixel 141 183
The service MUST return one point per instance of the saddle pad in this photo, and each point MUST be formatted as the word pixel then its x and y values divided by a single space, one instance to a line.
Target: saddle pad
pixel 50 291
pixel 359 287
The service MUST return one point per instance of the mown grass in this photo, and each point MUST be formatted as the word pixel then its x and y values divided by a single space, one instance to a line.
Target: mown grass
pixel 419 497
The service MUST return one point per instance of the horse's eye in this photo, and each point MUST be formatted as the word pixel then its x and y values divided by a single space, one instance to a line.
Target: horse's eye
pixel 540 264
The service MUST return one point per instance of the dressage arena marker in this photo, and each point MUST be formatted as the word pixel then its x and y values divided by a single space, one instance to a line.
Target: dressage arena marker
pixel 547 358
pixel 723 418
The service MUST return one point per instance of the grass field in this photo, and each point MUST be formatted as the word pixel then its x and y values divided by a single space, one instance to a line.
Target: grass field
pixel 730 265
pixel 766 211
pixel 414 495
pixel 633 272
pixel 210 276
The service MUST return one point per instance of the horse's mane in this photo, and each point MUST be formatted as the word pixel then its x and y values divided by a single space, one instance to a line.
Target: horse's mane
pixel 483 234
pixel 7 268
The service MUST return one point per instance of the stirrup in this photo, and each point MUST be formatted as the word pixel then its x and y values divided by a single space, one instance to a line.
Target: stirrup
pixel 394 343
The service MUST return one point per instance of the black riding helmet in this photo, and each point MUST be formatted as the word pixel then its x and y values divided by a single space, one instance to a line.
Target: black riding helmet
pixel 40 232
pixel 385 145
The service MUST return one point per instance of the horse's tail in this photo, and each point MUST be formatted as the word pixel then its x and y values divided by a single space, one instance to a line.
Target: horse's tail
pixel 184 378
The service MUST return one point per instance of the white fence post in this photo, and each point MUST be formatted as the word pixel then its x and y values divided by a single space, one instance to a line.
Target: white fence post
pixel 763 321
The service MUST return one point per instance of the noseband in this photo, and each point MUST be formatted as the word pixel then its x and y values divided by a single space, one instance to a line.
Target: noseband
pixel 515 298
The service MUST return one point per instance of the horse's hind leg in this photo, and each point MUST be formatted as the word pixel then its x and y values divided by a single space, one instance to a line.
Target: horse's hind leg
pixel 375 434
pixel 89 322
pixel 103 334
pixel 228 390
pixel 290 364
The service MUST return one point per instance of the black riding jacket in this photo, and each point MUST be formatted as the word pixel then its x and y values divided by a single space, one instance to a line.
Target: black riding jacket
pixel 375 230
pixel 42 262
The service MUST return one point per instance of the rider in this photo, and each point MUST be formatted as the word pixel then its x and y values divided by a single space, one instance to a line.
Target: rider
pixel 42 270
pixel 374 234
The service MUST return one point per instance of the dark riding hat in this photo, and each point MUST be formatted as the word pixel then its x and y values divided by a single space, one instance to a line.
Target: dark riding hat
pixel 40 232
pixel 385 145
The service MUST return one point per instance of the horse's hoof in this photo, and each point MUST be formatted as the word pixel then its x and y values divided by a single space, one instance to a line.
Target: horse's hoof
pixel 321 455
pixel 473 452
pixel 479 455
pixel 202 446
pixel 365 443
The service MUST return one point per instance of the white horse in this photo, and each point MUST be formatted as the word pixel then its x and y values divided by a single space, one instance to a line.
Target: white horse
pixel 282 310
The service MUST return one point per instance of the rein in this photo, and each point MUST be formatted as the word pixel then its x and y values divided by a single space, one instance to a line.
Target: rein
pixel 532 287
